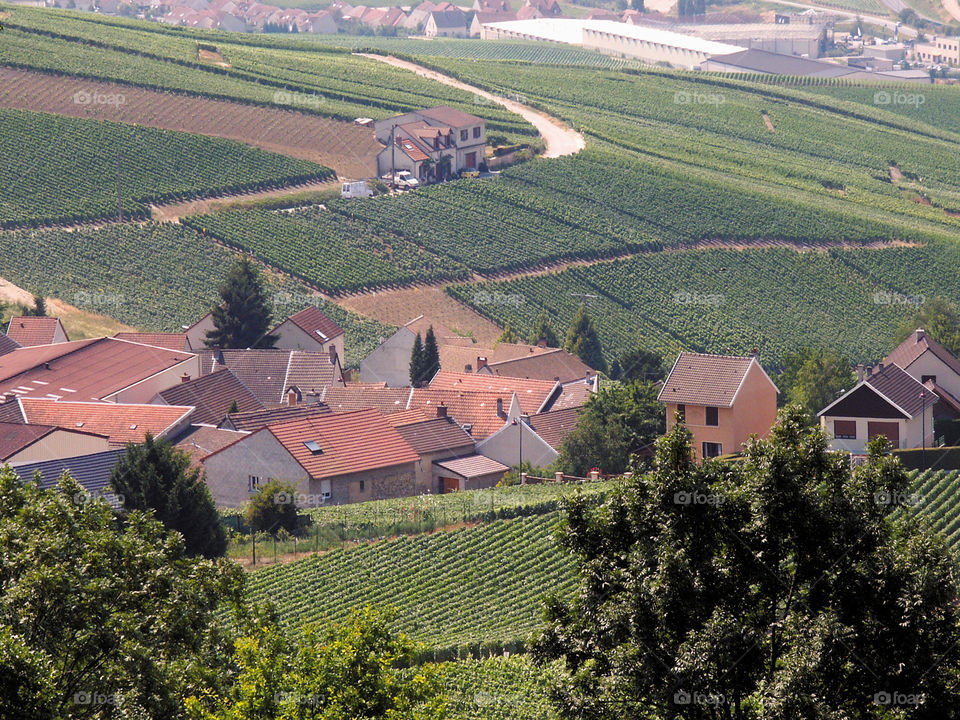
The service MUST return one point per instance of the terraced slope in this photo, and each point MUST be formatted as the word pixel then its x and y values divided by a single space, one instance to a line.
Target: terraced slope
pixel 936 499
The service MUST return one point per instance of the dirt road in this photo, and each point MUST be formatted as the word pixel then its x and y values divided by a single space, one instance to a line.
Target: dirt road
pixel 558 137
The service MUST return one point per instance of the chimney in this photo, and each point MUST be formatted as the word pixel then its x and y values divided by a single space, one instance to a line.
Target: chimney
pixel 333 354
pixel 481 363
pixel 468 368
pixel 500 412
pixel 880 367
pixel 441 410
pixel 542 343
pixel 860 372
pixel 920 334
pixel 755 353
pixel 185 378
pixel 292 397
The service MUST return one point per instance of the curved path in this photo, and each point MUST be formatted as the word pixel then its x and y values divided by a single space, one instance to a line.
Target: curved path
pixel 558 137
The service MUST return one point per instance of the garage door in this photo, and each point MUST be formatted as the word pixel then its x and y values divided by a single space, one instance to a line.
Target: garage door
pixel 890 429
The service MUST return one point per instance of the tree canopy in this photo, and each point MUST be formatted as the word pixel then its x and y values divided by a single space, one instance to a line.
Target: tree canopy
pixel 582 340
pixel 543 332
pixel 272 507
pixel 939 319
pixel 243 318
pixel 156 476
pixel 813 378
pixel 781 586
pixel 641 364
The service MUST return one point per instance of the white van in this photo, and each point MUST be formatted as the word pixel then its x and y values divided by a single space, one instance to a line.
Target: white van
pixel 355 189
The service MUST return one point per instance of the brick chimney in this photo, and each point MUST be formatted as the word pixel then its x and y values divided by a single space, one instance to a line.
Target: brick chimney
pixel 920 334
pixel 860 372
pixel 185 378
pixel 468 368
pixel 441 410
pixel 481 363
pixel 500 412
pixel 333 354
pixel 292 397
pixel 755 353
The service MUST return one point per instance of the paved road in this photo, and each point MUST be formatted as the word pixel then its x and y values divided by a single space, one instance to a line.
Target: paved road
pixel 558 137
pixel 872 19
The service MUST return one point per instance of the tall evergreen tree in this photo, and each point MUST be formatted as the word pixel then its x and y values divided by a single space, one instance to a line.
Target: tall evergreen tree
pixel 242 319
pixel 39 306
pixel 543 331
pixel 431 357
pixel 583 342
pixel 416 361
pixel 507 336
pixel 157 476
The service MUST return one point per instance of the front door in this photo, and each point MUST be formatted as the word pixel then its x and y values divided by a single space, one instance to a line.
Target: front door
pixel 470 159
pixel 889 429
pixel 450 485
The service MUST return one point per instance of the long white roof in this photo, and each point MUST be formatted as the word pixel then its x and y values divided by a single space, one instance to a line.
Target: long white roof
pixel 570 31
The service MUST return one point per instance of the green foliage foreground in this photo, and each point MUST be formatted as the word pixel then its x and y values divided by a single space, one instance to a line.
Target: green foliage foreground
pixel 778 587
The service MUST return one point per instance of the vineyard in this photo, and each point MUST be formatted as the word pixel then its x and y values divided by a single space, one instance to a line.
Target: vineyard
pixel 75 179
pixel 934 499
pixel 333 82
pixel 498 688
pixel 154 277
pixel 447 589
pixel 730 301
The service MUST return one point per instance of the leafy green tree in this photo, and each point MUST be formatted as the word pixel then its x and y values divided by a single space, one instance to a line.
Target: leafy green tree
pixel 39 306
pixel 813 378
pixel 543 332
pixel 273 507
pixel 431 357
pixel 416 361
pixel 234 408
pixel 242 319
pixel 939 319
pixel 637 5
pixel 157 476
pixel 509 335
pixel 782 586
pixel 582 341
pixel 102 614
pixel 617 422
pixel 354 671
pixel 641 364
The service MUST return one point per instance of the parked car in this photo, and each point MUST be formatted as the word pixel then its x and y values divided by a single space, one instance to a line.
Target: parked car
pixel 470 173
pixel 355 189
pixel 406 179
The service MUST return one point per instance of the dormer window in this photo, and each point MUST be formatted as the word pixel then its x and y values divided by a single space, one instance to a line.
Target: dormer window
pixel 314 447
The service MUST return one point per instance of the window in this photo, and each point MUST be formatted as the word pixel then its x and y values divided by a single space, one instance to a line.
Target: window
pixel 845 429
pixel 928 378
pixel 712 449
pixel 254 481
pixel 362 485
pixel 325 489
pixel 713 416
pixel 464 134
pixel 682 412
pixel 476 132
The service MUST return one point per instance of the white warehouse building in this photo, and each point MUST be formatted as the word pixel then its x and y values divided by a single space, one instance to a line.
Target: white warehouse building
pixel 650 45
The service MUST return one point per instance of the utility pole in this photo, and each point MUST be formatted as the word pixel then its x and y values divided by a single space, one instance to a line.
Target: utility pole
pixel 923 423
pixel 119 193
pixel 585 298
pixel 393 154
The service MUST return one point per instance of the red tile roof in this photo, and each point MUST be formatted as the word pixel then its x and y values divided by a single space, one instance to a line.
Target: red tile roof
pixel 7 344
pixel 553 426
pixel 472 466
pixel 316 324
pixel 14 437
pixel 361 396
pixel 121 423
pixel 257 419
pixel 405 417
pixel 901 389
pixel 201 440
pixel 699 379
pixel 269 373
pixel 533 394
pixel 436 435
pixel 31 330
pixel 574 395
pixel 170 341
pixel 556 364
pixel 478 409
pixel 411 149
pixel 83 369
pixel 444 113
pixel 212 396
pixel 349 443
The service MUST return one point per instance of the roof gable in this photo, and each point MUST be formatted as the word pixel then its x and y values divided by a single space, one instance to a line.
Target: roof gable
pixel 121 423
pixel 917 344
pixel 212 396
pixel 315 324
pixel 710 380
pixel 33 330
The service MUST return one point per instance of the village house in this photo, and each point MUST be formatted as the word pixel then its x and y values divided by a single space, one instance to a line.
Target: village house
pixel 31 330
pixel 432 144
pixel 389 362
pixel 309 329
pixel 91 471
pixel 929 362
pixel 331 458
pixel 722 400
pixel 21 443
pixel 482 17
pixel 446 23
pixel 886 402
pixel 211 396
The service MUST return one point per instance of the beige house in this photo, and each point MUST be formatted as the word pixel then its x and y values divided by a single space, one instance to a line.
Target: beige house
pixel 929 362
pixel 331 458
pixel 446 23
pixel 433 144
pixel 938 51
pixel 722 400
pixel 309 329
pixel 21 443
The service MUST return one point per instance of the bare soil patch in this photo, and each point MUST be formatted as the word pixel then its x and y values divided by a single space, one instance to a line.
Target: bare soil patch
pixel 175 211
pixel 895 175
pixel 342 146
pixel 768 122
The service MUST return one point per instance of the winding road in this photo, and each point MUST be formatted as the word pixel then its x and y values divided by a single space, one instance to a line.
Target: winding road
pixel 559 139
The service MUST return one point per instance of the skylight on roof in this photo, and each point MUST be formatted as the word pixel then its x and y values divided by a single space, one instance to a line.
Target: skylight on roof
pixel 320 334
pixel 313 446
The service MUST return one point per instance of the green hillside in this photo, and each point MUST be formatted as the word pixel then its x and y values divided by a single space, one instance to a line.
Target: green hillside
pixel 447 589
